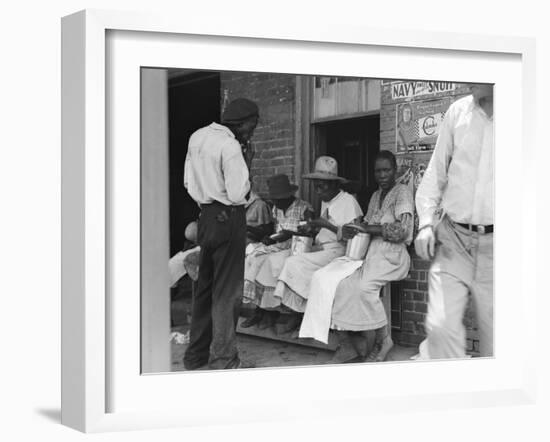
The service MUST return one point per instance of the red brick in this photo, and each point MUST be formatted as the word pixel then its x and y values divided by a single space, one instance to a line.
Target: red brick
pixel 409 284
pixel 411 339
pixel 423 286
pixel 420 307
pixel 420 264
pixel 413 316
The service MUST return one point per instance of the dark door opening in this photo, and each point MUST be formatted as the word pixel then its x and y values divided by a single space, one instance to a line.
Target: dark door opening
pixel 194 102
pixel 354 143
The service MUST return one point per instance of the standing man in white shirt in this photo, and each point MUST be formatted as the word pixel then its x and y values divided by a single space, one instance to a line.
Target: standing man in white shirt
pixel 216 176
pixel 459 181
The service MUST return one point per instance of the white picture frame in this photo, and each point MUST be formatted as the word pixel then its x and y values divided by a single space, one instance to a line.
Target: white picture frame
pixel 86 314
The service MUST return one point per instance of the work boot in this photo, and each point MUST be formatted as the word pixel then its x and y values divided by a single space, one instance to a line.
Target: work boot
pixel 268 320
pixel 254 319
pixel 239 363
pixel 292 324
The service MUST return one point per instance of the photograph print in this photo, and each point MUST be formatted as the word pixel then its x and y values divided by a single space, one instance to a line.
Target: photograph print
pixel 313 220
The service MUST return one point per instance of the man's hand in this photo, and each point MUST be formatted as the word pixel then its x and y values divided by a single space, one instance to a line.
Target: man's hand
pixel 424 244
pixel 248 154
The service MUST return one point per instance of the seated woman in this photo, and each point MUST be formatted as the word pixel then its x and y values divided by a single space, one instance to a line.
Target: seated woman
pixel 355 306
pixel 259 222
pixel 263 265
pixel 337 208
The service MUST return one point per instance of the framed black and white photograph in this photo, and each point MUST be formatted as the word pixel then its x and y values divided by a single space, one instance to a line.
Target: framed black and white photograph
pixel 271 217
pixel 300 119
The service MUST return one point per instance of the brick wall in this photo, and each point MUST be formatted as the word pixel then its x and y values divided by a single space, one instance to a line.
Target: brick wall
pixel 415 287
pixel 274 141
pixel 274 137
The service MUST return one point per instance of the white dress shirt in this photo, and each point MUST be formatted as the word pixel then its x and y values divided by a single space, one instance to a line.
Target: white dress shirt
pixel 215 169
pixel 459 178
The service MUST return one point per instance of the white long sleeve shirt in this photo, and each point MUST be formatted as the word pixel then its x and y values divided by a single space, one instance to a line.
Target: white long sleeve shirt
pixel 215 169
pixel 460 176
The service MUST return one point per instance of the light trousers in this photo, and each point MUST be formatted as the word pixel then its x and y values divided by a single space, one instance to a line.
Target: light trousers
pixel 463 265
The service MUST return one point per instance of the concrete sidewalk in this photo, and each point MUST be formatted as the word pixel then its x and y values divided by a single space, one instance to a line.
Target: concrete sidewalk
pixel 271 353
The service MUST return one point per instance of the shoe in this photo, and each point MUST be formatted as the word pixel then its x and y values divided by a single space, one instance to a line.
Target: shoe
pixel 380 350
pixel 268 320
pixel 239 363
pixel 355 360
pixel 195 365
pixel 253 320
pixel 292 324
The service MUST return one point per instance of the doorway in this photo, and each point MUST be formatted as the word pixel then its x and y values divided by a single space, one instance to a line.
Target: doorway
pixel 193 102
pixel 354 143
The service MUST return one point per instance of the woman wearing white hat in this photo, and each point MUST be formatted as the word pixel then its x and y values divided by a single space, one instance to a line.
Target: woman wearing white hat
pixel 337 209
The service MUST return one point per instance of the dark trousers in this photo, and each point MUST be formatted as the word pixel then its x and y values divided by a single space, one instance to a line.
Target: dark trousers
pixel 217 300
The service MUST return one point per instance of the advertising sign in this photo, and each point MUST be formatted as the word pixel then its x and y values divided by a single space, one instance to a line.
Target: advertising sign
pixel 417 124
pixel 411 89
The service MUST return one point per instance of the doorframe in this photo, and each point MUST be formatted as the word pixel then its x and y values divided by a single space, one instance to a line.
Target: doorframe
pixel 310 144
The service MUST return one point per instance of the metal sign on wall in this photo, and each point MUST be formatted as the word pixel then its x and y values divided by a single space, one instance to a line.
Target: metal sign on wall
pixel 411 89
pixel 417 124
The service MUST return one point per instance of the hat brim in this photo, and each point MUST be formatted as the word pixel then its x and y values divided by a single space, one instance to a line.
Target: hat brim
pixel 324 176
pixel 287 194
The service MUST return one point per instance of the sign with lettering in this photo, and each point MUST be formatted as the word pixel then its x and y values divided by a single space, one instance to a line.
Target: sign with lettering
pixel 417 124
pixel 410 171
pixel 410 89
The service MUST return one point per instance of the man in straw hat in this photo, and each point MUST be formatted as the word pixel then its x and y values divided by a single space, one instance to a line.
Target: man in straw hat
pixel 337 209
pixel 217 177
pixel 263 266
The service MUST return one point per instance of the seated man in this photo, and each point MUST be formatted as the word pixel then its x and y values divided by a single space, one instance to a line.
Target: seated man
pixel 337 208
pixel 177 264
pixel 353 306
pixel 263 265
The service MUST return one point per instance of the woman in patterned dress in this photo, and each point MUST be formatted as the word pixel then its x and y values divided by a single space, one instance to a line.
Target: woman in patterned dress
pixel 263 265
pixel 357 307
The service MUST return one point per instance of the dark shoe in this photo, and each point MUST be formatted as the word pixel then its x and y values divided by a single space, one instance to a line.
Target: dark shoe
pixel 195 365
pixel 269 319
pixel 355 360
pixel 253 320
pixel 292 324
pixel 239 363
